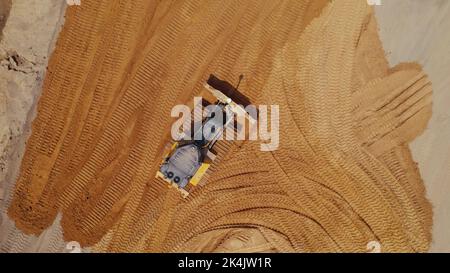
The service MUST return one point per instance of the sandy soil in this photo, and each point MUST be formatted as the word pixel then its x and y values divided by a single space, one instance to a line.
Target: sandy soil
pixel 418 30
pixel 5 6
pixel 122 216
pixel 342 161
pixel 29 37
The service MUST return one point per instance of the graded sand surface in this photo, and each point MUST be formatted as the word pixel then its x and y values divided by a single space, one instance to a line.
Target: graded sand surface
pixel 416 30
pixel 342 177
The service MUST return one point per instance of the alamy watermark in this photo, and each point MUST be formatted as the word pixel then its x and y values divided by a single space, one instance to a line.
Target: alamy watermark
pixel 73 2
pixel 373 247
pixel 230 122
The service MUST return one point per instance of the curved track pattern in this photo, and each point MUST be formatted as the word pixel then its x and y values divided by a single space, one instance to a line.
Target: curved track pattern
pixel 342 176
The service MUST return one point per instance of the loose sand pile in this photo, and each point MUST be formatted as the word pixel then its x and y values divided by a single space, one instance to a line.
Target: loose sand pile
pixel 5 6
pixel 28 38
pixel 343 175
pixel 417 30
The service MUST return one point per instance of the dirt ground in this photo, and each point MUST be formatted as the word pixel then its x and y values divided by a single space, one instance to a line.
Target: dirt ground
pixel 416 30
pixel 107 198
pixel 5 6
pixel 28 39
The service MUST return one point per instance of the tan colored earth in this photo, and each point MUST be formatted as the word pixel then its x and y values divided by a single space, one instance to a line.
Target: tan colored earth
pixel 342 177
pixel 5 6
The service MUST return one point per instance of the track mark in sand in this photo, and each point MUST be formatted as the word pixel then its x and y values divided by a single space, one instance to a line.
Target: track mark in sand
pixel 342 177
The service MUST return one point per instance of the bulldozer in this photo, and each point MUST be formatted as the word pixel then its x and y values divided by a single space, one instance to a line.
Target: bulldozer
pixel 186 162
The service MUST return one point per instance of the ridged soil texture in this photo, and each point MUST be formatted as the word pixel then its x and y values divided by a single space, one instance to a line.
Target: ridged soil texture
pixel 341 177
